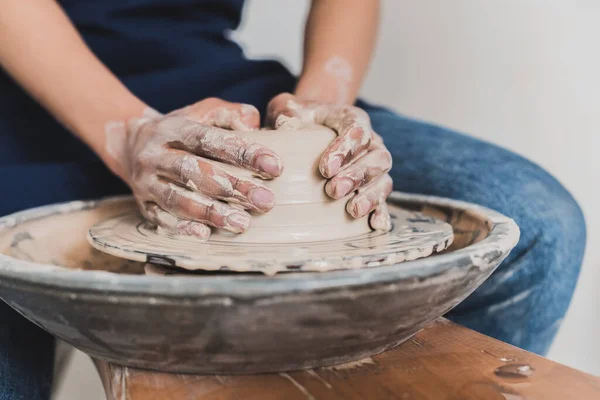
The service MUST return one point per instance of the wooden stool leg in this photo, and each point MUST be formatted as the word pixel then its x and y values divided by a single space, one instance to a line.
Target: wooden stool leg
pixel 63 353
pixel 443 361
pixel 124 383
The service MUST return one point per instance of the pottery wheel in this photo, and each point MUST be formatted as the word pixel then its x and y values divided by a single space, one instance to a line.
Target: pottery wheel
pixel 413 235
pixel 305 230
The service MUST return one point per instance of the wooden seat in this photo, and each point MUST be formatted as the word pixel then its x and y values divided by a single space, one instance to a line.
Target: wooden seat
pixel 443 361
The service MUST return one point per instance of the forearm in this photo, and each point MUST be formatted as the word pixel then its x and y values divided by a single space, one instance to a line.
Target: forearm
pixel 339 40
pixel 44 53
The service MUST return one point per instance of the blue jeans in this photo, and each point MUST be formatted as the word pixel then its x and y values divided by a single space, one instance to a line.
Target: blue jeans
pixel 522 303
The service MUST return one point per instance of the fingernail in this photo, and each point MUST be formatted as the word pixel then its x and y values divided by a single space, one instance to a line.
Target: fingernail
pixel 343 187
pixel 334 166
pixel 362 207
pixel 262 198
pixel 239 221
pixel 270 165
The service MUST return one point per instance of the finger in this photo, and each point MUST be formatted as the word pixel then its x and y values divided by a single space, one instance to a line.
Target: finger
pixel 364 171
pixel 287 123
pixel 380 218
pixel 279 111
pixel 173 224
pixel 223 114
pixel 207 177
pixel 230 147
pixel 354 136
pixel 193 206
pixel 241 117
pixel 369 197
pixel 376 140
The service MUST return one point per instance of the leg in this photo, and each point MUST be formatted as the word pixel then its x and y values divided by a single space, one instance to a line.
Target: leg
pixel 524 301
pixel 26 351
pixel 26 358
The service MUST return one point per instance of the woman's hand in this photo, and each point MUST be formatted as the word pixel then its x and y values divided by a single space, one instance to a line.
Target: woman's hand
pixel 173 164
pixel 356 161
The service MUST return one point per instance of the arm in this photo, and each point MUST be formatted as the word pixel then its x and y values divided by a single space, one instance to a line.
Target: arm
pixel 178 187
pixel 44 53
pixel 339 39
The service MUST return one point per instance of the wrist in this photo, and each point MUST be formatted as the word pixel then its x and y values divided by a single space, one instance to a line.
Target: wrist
pixel 334 83
pixel 317 88
pixel 329 80
pixel 103 126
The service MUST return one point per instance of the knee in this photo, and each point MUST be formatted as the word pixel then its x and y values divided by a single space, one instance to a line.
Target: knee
pixel 553 229
pixel 525 299
pixel 545 210
pixel 433 160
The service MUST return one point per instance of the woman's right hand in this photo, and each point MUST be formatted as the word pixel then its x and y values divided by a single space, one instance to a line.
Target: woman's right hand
pixel 173 164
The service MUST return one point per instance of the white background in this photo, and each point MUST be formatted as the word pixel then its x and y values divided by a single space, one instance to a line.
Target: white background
pixel 524 74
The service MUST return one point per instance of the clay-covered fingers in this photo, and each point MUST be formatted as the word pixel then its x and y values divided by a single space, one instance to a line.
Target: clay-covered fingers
pixel 376 140
pixel 240 117
pixel 230 147
pixel 222 114
pixel 282 114
pixel 354 131
pixel 210 179
pixel 188 205
pixel 367 169
pixel 370 197
pixel 172 224
pixel 380 218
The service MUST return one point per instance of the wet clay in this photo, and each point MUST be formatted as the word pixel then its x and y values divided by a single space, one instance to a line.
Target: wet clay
pixel 303 212
pixel 413 235
pixel 59 239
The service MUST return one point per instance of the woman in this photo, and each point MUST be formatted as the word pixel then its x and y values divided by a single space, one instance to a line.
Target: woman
pixel 152 89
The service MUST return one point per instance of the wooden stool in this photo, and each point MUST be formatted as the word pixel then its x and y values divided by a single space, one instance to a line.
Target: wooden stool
pixel 443 361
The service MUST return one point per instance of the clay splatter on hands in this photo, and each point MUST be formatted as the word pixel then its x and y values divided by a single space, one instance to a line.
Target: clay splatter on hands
pixel 175 166
pixel 356 161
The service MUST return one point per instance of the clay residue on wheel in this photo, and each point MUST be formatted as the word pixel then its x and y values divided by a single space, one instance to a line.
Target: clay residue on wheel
pixel 60 239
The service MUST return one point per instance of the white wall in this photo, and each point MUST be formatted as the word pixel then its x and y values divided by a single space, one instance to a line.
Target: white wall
pixel 522 73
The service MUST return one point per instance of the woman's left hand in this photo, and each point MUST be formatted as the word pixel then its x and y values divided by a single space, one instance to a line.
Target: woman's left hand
pixel 356 161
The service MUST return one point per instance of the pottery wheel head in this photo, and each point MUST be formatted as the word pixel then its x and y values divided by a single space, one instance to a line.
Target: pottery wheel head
pixel 413 235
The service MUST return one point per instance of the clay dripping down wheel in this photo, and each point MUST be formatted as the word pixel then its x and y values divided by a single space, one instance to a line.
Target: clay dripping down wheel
pixel 305 231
